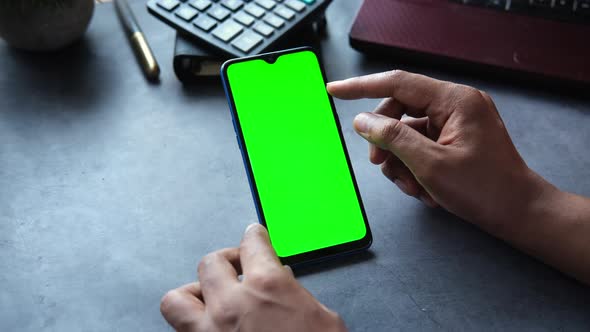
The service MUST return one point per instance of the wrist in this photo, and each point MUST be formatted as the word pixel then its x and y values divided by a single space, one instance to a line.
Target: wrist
pixel 553 227
pixel 534 200
pixel 531 197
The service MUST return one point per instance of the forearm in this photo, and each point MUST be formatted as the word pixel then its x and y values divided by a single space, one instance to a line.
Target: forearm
pixel 554 227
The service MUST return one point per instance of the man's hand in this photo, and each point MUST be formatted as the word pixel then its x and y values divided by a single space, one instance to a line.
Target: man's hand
pixel 267 298
pixel 455 152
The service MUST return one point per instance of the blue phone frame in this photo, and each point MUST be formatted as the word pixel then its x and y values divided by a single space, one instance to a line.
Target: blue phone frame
pixel 314 256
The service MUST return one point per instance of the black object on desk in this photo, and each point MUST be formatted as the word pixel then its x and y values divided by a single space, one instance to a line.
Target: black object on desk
pixel 111 190
pixel 236 28
pixel 194 63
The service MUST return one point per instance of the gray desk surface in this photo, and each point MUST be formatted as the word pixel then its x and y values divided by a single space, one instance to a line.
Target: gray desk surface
pixel 111 190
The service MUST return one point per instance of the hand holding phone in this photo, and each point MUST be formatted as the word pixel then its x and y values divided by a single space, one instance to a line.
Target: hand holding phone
pixel 219 301
pixel 295 156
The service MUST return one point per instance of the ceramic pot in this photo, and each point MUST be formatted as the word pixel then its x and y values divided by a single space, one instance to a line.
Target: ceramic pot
pixel 44 25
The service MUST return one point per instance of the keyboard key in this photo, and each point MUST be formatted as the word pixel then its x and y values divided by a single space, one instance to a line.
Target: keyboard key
pixel 244 18
pixel 232 5
pixel 227 31
pixel 268 4
pixel 264 29
pixel 247 41
pixel 186 13
pixel 497 4
pixel 285 13
pixel 201 4
pixel 541 3
pixel 219 13
pixel 274 20
pixel 295 5
pixel 519 5
pixel 564 5
pixel 254 10
pixel 169 5
pixel 583 8
pixel 205 23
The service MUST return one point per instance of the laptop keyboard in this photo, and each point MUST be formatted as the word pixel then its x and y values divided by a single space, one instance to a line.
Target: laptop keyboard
pixel 563 10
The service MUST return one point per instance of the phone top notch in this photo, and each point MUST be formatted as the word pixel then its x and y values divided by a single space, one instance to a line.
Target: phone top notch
pixel 271 58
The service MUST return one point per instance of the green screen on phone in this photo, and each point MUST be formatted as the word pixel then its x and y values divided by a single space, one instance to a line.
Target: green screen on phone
pixel 304 184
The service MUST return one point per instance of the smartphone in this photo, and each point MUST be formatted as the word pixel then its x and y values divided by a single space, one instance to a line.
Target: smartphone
pixel 296 160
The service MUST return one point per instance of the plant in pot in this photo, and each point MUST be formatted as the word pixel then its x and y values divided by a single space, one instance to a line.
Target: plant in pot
pixel 44 25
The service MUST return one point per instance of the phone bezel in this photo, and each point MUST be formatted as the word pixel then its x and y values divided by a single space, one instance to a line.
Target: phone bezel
pixel 319 254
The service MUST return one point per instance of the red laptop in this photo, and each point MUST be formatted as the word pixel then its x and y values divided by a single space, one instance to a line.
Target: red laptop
pixel 547 40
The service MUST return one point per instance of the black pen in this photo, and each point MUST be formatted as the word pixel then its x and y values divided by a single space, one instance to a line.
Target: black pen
pixel 138 43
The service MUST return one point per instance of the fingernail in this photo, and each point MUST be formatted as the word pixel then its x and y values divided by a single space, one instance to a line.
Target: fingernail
pixel 401 185
pixel 250 227
pixel 330 85
pixel 361 123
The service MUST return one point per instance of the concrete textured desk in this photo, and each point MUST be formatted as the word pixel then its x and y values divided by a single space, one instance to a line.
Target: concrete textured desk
pixel 111 189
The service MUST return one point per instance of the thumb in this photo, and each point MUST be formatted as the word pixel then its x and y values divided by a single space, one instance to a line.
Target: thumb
pixel 414 149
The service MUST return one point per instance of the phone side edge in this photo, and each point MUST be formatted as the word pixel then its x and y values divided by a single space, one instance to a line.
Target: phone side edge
pixel 368 238
pixel 239 139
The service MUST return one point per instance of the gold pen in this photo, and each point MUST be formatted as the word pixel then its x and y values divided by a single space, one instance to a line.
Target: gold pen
pixel 138 42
